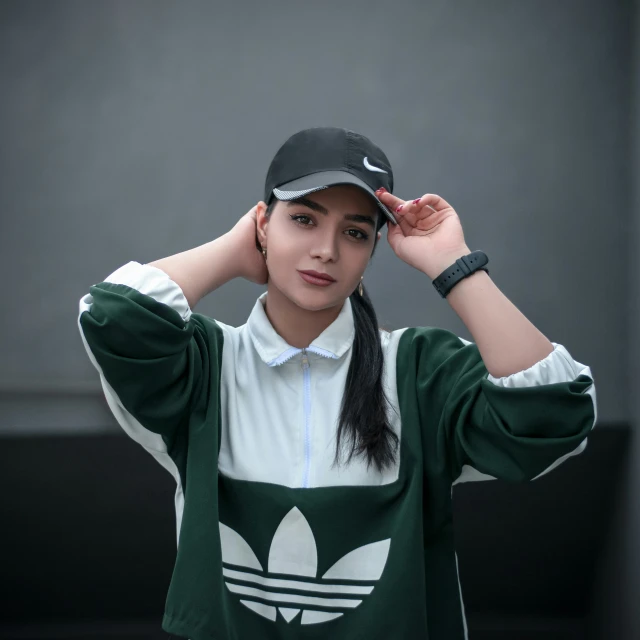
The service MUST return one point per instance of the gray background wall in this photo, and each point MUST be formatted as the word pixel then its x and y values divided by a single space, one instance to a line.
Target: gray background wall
pixel 617 589
pixel 135 130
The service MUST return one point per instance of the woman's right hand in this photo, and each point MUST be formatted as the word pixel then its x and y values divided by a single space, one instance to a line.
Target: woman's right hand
pixel 251 261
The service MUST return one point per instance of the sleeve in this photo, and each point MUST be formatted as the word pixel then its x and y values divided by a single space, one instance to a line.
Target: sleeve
pixel 152 354
pixel 514 428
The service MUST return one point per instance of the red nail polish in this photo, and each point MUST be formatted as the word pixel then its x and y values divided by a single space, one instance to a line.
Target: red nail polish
pixel 399 208
pixel 382 190
pixel 416 201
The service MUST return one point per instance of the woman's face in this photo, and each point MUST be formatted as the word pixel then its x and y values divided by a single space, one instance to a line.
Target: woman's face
pixel 317 236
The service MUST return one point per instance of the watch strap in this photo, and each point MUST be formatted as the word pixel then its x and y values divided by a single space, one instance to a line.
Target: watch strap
pixel 460 269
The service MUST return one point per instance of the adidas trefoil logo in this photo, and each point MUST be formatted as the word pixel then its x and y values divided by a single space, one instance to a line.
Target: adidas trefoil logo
pixel 293 551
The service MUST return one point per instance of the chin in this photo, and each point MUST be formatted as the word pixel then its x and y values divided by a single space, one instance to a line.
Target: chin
pixel 313 298
pixel 317 301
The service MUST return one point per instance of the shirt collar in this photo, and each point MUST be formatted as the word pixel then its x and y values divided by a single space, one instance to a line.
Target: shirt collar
pixel 333 342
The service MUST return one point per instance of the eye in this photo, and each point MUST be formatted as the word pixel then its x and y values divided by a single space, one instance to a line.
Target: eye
pixel 297 219
pixel 362 236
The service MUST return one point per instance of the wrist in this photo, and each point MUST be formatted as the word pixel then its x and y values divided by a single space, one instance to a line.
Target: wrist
pixel 442 262
pixel 230 245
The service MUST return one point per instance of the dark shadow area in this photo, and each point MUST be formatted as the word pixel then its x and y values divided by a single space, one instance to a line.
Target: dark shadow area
pixel 88 533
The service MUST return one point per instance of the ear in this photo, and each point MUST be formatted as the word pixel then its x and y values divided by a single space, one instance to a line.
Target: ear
pixel 262 222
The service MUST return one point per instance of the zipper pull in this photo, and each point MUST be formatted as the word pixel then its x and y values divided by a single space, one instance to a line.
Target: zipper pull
pixel 305 360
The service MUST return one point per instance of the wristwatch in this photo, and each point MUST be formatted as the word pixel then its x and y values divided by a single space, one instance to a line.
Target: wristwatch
pixel 460 269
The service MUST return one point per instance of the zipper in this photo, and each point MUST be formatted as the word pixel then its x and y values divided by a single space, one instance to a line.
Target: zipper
pixel 306 381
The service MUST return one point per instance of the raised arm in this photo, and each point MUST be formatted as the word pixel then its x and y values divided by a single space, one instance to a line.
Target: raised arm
pixel 201 270
pixel 154 356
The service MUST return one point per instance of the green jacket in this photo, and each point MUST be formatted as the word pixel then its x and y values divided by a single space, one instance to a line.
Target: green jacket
pixel 274 540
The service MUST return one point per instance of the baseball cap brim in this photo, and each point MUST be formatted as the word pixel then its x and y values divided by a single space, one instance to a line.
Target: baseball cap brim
pixel 323 180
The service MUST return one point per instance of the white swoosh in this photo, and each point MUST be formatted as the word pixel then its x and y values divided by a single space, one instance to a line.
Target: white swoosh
pixel 371 167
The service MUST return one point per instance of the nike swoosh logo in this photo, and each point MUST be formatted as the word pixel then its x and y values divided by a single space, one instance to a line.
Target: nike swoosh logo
pixel 371 167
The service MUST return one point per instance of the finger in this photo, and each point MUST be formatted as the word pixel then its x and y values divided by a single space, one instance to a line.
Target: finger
pixel 433 201
pixel 404 207
pixel 404 226
pixel 406 212
pixel 399 207
pixel 388 199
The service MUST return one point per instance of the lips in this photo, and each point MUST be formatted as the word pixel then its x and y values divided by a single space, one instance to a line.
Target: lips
pixel 322 276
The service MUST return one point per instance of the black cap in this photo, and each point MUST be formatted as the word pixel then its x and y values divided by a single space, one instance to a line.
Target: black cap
pixel 317 158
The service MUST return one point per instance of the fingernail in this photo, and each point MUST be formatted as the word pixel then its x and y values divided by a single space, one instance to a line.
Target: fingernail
pixel 399 209
pixel 416 201
pixel 382 190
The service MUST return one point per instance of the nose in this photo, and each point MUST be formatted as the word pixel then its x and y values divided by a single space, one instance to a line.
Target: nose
pixel 326 246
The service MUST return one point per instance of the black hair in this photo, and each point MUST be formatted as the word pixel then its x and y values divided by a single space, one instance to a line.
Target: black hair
pixel 363 418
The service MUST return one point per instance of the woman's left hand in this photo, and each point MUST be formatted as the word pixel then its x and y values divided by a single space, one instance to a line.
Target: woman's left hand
pixel 428 235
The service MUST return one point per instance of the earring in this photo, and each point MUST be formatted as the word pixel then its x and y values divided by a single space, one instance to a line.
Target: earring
pixel 264 253
pixel 360 285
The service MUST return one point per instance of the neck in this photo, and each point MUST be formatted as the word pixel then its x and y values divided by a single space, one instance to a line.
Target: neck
pixel 297 326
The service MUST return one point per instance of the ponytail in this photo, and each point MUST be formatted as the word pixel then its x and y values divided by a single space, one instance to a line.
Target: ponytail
pixel 363 416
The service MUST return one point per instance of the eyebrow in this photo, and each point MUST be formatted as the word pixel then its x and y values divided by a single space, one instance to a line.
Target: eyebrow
pixel 357 217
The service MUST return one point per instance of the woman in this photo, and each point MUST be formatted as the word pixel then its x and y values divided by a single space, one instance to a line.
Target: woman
pixel 314 453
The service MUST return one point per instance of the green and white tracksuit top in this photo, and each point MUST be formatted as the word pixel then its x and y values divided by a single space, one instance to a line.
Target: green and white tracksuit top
pixel 274 540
